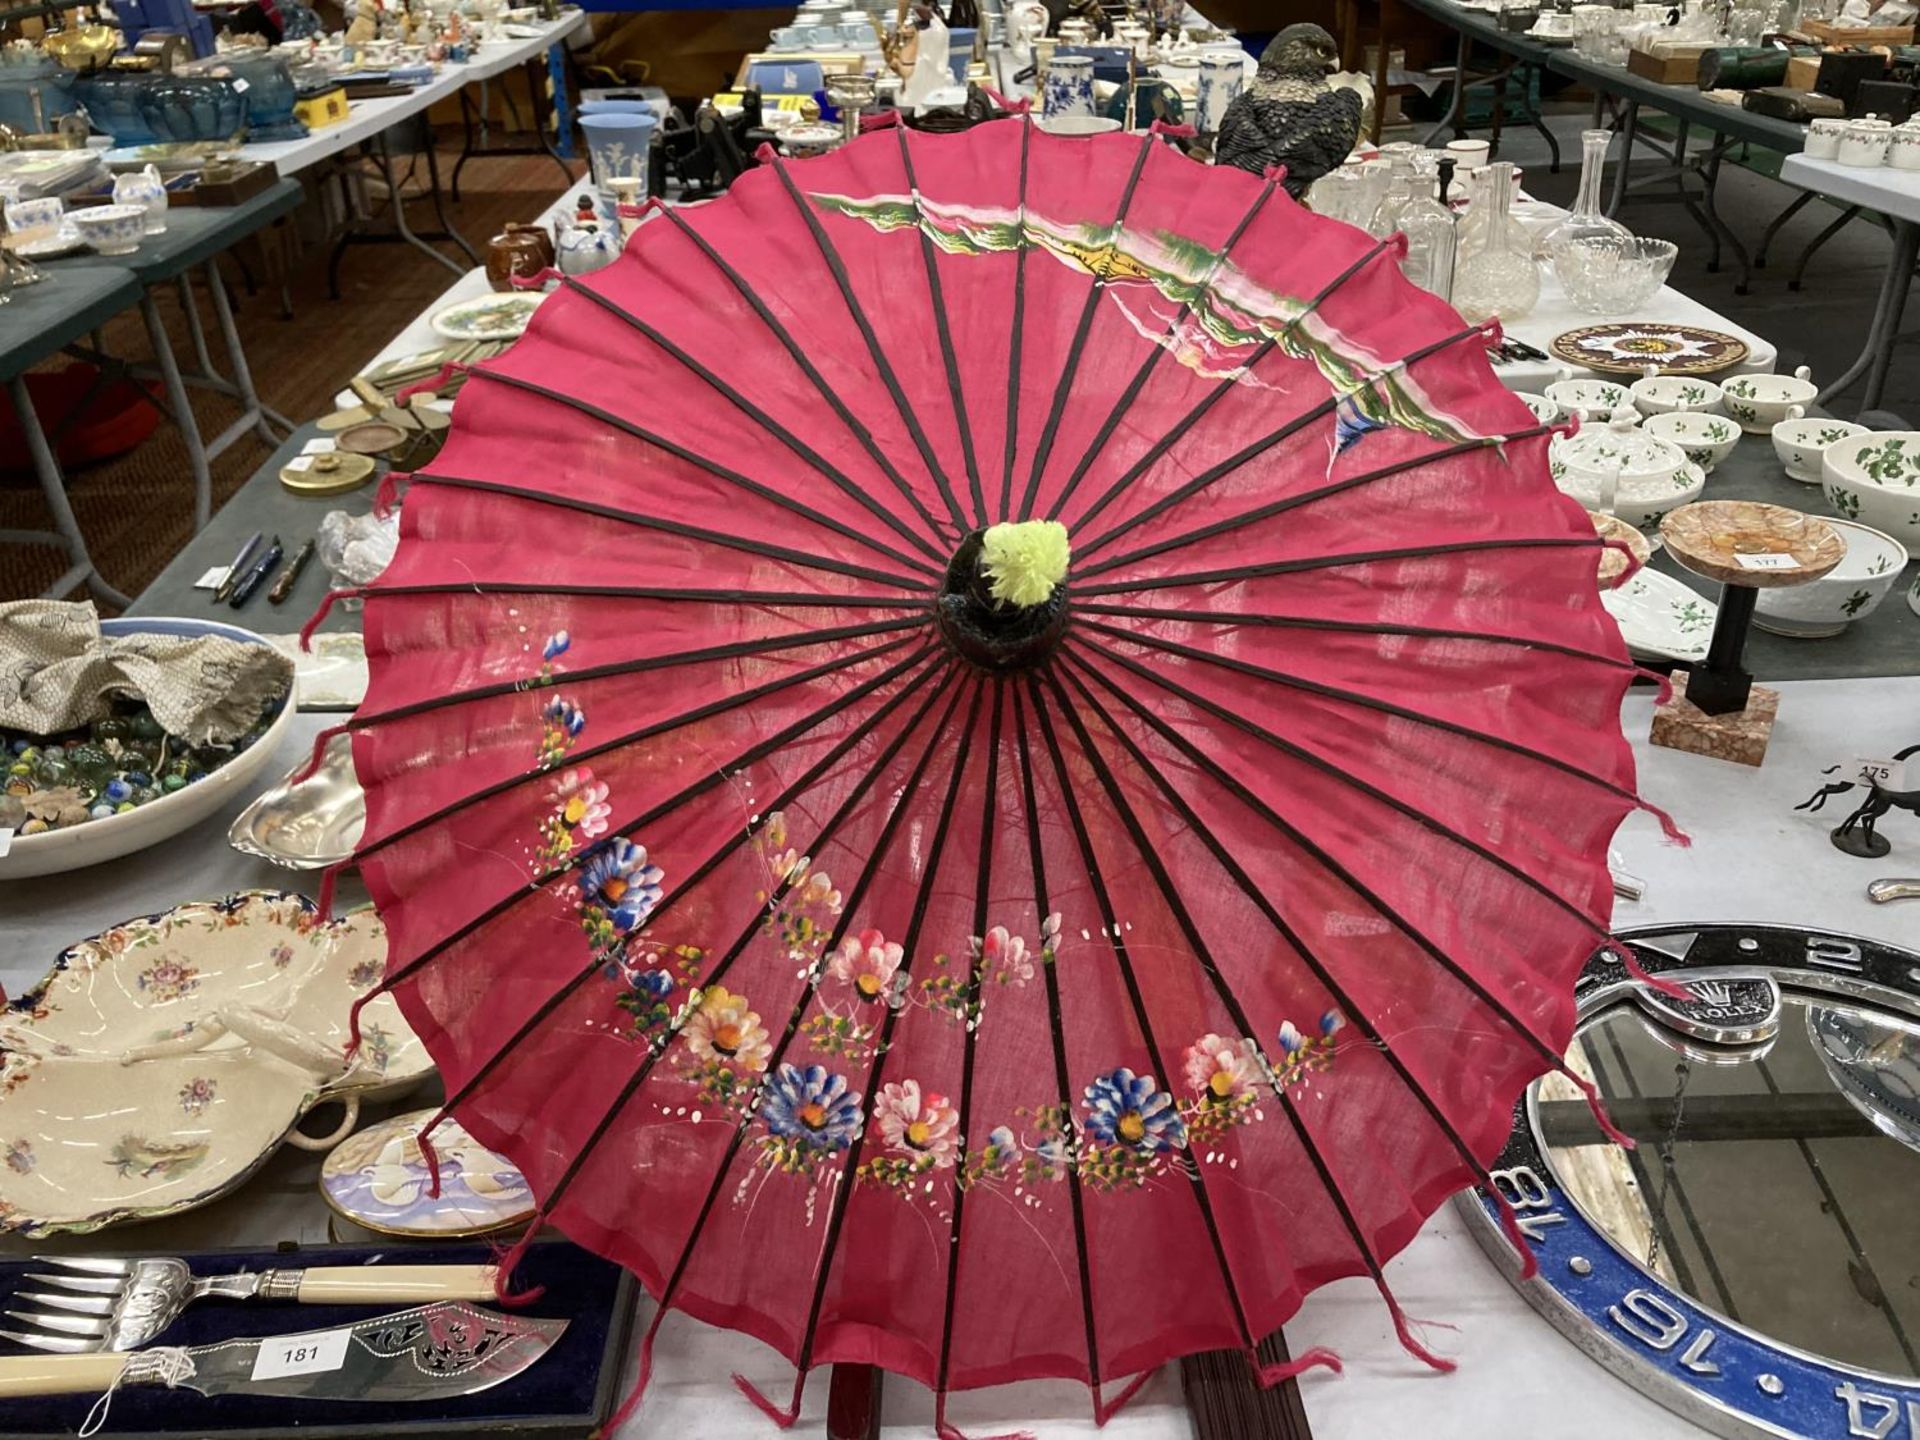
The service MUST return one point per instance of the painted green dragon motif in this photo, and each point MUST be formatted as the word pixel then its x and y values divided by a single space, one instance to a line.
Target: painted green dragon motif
pixel 1230 311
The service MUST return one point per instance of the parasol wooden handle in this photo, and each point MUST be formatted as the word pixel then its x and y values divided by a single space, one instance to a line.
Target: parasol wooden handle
pixel 407 1284
pixel 58 1374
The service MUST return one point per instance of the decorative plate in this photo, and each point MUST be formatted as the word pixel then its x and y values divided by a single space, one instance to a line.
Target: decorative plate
pixel 1627 348
pixel 1660 618
pixel 66 241
pixel 380 1179
pixel 161 1062
pixel 488 317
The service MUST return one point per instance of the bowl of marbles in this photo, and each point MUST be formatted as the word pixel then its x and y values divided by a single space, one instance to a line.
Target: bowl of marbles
pixel 122 783
pixel 1707 439
pixel 1802 444
pixel 1672 394
pixel 1760 402
pixel 1875 478
pixel 1589 399
pixel 1850 591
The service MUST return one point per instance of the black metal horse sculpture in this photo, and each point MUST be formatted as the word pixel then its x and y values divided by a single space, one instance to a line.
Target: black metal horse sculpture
pixel 1855 834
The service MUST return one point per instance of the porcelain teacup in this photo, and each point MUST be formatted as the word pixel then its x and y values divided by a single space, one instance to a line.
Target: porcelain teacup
pixel 1707 439
pixel 1662 394
pixel 1802 444
pixel 1760 402
pixel 1589 399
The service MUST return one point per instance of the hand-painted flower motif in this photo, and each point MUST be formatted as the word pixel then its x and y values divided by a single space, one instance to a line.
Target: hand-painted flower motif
pixel 1300 1054
pixel 724 1029
pixel 20 1157
pixel 809 1114
pixel 648 975
pixel 197 1094
pixel 281 955
pixel 561 722
pixel 366 973
pixel 583 803
pixel 867 962
pixel 1222 1072
pixel 557 645
pixel 1131 1110
pixel 1002 958
pixel 921 1124
pixel 1220 1069
pixel 618 887
pixel 168 979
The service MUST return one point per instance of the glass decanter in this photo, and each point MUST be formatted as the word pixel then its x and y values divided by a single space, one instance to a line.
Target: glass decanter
pixel 1386 216
pixel 1473 224
pixel 1585 218
pixel 1432 235
pixel 1499 278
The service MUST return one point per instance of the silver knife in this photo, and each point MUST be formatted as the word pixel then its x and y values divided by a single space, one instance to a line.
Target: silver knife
pixel 433 1351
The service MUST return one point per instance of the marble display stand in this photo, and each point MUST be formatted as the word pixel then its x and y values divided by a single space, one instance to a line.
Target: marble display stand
pixel 1748 547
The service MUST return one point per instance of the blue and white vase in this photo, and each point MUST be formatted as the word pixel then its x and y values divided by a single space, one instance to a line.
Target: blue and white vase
pixel 1069 87
pixel 1222 77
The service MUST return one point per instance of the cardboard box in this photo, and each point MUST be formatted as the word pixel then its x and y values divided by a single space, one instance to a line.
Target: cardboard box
pixel 1673 66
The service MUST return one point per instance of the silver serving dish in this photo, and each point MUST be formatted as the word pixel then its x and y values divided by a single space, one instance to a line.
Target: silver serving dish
pixel 307 826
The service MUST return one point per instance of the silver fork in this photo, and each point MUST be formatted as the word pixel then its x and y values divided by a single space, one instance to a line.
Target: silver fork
pixel 104 1304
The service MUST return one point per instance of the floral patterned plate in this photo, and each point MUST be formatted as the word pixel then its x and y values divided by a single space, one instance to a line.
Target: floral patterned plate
pixel 489 317
pixel 161 1062
pixel 1660 618
pixel 1628 347
pixel 380 1179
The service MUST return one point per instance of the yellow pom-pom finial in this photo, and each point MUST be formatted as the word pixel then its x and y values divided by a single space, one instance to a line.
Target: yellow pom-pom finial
pixel 1024 560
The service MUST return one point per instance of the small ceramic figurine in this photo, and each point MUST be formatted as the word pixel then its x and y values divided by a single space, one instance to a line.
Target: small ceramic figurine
pixel 146 189
pixel 583 246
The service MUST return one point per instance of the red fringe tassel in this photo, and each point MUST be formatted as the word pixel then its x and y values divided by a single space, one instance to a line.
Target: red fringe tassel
pixel 541 277
pixel 326 604
pixel 945 1431
pixel 432 382
pixel 388 491
pixel 1637 972
pixel 783 1418
pixel 1510 1227
pixel 1599 1110
pixel 1105 1410
pixel 320 743
pixel 509 1261
pixel 1634 562
pixel 1314 1359
pixel 324 903
pixel 1403 1327
pixel 643 1375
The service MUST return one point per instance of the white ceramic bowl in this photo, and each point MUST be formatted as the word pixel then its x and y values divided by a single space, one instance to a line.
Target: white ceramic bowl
pixel 55 851
pixel 1800 444
pixel 1850 591
pixel 111 229
pixel 1544 410
pixel 1875 479
pixel 1707 439
pixel 1667 394
pixel 1760 402
pixel 1589 399
pixel 1641 497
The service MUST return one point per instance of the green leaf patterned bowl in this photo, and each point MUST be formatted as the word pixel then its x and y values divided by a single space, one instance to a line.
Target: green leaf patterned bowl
pixel 1800 444
pixel 1851 590
pixel 1875 479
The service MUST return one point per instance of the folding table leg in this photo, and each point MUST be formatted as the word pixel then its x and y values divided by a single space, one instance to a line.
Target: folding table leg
pixel 1906 245
pixel 383 157
pixel 1629 128
pixel 265 419
pixel 466 144
pixel 1800 202
pixel 182 408
pixel 440 210
pixel 53 487
pixel 1845 218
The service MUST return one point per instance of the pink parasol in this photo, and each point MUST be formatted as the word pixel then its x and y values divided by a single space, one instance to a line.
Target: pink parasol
pixel 992 951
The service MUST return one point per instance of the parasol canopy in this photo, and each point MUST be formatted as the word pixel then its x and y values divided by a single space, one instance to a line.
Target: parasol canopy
pixel 914 935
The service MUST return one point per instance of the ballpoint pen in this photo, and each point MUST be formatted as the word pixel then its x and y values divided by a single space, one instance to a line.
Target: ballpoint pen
pixel 261 569
pixel 283 587
pixel 237 570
